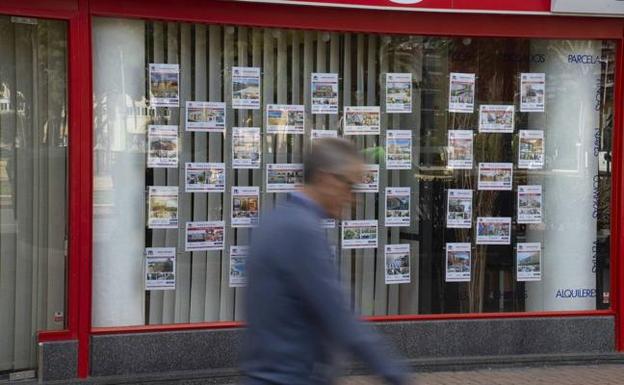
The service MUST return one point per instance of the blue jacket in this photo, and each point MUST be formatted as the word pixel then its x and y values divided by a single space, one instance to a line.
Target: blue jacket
pixel 295 306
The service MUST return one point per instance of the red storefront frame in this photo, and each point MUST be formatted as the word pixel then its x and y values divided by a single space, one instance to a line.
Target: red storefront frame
pixel 509 23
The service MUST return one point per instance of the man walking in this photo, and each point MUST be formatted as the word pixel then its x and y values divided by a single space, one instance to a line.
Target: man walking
pixel 295 308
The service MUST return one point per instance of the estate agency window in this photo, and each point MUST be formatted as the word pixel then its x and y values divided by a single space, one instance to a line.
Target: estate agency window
pixel 33 185
pixel 488 166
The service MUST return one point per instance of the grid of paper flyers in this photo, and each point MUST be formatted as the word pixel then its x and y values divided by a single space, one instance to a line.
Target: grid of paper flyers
pixel 289 119
pixel 494 119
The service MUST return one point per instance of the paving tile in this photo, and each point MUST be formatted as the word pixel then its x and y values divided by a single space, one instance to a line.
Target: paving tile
pixel 559 375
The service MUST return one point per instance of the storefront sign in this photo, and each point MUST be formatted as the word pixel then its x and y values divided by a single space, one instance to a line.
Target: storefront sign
pixel 497 6
pixel 596 7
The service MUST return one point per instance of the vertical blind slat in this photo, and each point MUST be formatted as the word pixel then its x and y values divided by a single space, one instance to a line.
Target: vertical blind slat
pixel 171 235
pixel 199 293
pixel 183 289
pixel 159 179
pixel 368 276
pixel 25 194
pixel 382 292
pixel 8 237
pixel 213 260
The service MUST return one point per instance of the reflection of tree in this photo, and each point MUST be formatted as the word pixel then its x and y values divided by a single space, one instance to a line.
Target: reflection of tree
pixel 491 86
pixel 33 96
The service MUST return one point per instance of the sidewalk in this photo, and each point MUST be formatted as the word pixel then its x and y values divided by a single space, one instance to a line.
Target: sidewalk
pixel 556 375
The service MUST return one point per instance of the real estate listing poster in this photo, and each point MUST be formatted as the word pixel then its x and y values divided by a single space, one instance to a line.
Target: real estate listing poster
pixel 246 88
pixel 460 149
pixel 461 92
pixel 397 260
pixel 370 179
pixel 162 207
pixel 246 147
pixel 285 119
pixel 495 176
pixel 359 120
pixel 205 177
pixel 496 118
pixel 531 149
pixel 459 209
pixel 238 266
pixel 529 261
pixel 458 262
pixel 245 206
pixel 160 268
pixel 398 149
pixel 398 206
pixel 532 92
pixel 399 93
pixel 203 236
pixel 320 134
pixel 162 142
pixel 164 82
pixel 284 177
pixel 359 234
pixel 205 116
pixel 324 93
pixel 530 204
pixel 493 230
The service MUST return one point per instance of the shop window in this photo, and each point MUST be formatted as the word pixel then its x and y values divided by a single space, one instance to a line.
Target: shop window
pixel 487 187
pixel 33 185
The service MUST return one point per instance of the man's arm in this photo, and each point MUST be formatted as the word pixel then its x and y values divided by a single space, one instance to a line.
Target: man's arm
pixel 316 280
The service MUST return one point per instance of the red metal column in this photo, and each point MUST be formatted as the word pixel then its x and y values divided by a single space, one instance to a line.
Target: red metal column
pixel 81 173
pixel 617 215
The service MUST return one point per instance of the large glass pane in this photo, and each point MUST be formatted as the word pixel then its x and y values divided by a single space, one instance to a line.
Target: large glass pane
pixel 33 185
pixel 490 163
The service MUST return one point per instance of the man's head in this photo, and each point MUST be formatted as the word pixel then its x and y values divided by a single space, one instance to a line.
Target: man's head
pixel 331 168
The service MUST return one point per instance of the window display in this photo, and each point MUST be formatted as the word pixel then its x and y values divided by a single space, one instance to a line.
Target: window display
pixel 472 171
